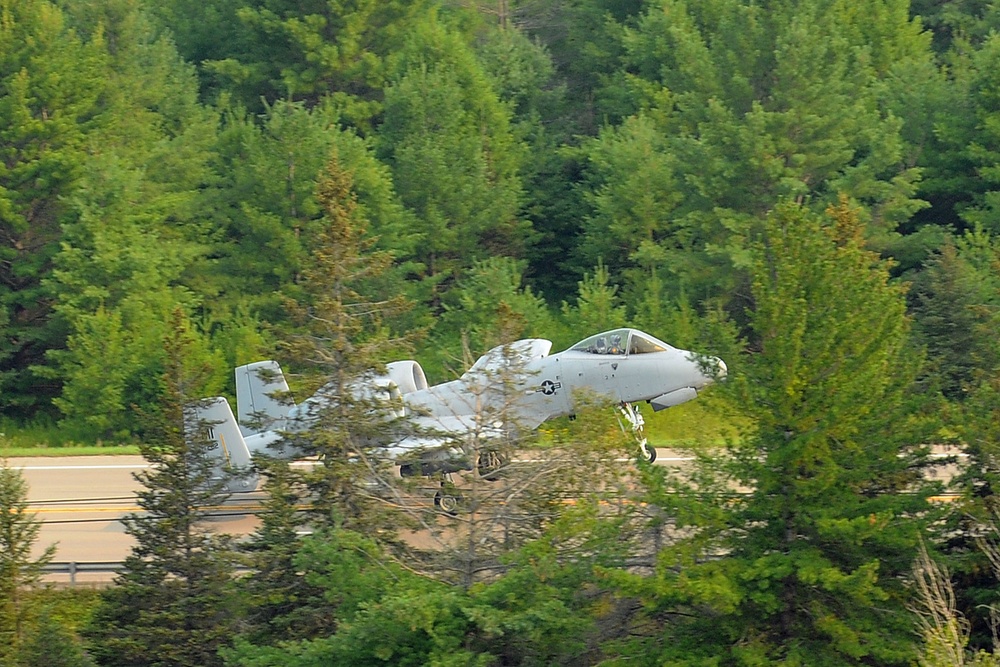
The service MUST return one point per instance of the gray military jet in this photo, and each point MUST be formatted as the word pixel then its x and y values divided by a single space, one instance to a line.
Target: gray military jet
pixel 448 427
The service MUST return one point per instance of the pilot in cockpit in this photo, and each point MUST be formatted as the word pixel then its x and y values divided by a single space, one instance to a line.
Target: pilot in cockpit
pixel 616 345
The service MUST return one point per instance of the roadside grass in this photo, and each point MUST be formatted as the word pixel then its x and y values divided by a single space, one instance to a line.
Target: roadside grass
pixel 44 438
pixel 703 424
pixel 698 424
pixel 70 450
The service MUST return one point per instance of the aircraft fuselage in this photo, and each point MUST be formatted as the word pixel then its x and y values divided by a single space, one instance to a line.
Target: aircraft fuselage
pixel 628 367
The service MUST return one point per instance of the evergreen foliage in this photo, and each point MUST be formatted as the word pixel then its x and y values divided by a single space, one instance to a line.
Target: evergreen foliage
pixel 491 306
pixel 739 106
pixel 454 156
pixel 504 169
pixel 344 331
pixel 288 50
pixel 52 80
pixel 793 546
pixel 19 570
pixel 132 235
pixel 955 305
pixel 172 605
pixel 280 603
pixel 53 645
pixel 387 615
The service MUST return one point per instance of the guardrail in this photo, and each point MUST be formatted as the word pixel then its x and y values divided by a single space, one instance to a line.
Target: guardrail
pixel 72 568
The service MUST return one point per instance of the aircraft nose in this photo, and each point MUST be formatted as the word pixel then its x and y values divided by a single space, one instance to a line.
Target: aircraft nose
pixel 712 369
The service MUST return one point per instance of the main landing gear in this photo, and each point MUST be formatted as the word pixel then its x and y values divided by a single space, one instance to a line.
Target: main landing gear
pixel 490 464
pixel 636 424
pixel 447 499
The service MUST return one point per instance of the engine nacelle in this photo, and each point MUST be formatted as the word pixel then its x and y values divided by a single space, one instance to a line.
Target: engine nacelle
pixel 401 377
pixel 408 376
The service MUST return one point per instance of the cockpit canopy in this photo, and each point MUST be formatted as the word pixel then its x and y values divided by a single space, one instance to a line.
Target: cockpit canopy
pixel 621 341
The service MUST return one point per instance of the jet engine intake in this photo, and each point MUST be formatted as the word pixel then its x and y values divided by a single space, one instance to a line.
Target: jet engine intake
pixel 401 377
pixel 408 376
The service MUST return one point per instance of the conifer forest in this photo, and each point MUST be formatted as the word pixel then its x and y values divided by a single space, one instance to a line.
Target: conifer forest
pixel 807 189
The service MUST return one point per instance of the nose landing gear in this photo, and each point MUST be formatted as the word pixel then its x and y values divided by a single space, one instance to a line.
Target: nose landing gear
pixel 636 425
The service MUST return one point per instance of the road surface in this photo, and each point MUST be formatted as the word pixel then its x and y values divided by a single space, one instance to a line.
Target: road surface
pixel 80 500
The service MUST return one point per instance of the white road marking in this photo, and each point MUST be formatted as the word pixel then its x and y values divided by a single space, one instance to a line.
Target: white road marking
pixel 98 467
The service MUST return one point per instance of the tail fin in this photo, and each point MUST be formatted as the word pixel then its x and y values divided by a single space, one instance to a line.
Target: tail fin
pixel 260 391
pixel 232 451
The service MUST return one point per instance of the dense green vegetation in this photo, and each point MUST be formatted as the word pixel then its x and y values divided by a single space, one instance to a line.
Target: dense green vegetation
pixel 809 189
pixel 564 166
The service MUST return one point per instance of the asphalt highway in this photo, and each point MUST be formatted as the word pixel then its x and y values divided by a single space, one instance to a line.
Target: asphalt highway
pixel 79 502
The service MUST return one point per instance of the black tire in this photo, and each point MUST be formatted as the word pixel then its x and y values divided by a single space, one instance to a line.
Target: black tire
pixel 647 454
pixel 447 503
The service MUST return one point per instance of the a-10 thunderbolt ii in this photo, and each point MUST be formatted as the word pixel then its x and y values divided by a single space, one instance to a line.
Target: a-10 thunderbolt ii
pixel 447 427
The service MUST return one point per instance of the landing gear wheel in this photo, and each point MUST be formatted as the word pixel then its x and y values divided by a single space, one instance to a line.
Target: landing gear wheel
pixel 489 464
pixel 635 424
pixel 447 503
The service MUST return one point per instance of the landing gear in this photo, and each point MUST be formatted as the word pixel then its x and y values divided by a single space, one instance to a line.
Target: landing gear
pixel 447 503
pixel 647 453
pixel 636 424
pixel 447 499
pixel 489 465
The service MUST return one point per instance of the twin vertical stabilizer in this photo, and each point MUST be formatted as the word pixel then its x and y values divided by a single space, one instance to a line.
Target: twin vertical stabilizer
pixel 261 393
pixel 230 447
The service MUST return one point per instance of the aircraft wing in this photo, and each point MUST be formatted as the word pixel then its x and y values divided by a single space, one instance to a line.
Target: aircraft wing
pixel 446 433
pixel 504 357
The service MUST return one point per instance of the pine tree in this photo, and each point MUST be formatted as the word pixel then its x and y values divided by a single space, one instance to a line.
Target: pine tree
pixel 966 303
pixel 133 234
pixel 454 156
pixel 338 334
pixel 171 604
pixel 598 305
pixel 983 150
pixel 342 336
pixel 954 302
pixel 489 306
pixel 51 81
pixel 52 645
pixel 738 106
pixel 794 545
pixel 279 602
pixel 306 51
pixel 18 570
